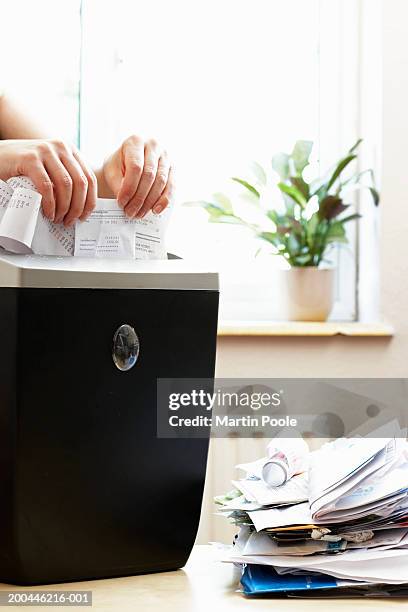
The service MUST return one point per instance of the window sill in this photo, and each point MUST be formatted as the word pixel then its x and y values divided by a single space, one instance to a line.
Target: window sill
pixel 304 328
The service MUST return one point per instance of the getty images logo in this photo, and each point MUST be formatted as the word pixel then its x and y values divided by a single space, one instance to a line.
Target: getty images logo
pixel 243 398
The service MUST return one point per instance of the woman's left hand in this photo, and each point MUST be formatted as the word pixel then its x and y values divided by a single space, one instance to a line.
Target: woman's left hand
pixel 139 176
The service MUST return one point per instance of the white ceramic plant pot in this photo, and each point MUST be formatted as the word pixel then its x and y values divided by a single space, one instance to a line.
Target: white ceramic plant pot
pixel 308 293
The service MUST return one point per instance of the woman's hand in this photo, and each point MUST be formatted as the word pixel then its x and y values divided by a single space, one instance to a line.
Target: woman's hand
pixel 139 176
pixel 67 184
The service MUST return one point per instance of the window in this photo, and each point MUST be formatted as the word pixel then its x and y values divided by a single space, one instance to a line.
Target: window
pixel 221 83
pixel 40 47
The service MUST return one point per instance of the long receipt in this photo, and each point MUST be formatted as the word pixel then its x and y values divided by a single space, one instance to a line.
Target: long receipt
pixel 106 233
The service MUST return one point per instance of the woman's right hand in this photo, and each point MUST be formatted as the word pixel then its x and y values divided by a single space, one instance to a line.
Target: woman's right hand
pixel 68 186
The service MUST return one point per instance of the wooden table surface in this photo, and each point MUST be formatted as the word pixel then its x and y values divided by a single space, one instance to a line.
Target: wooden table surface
pixel 205 584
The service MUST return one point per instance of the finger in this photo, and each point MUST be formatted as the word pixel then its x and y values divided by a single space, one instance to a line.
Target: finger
pixel 62 183
pixel 43 183
pixel 166 197
pixel 79 188
pixel 133 162
pixel 151 160
pixel 158 186
pixel 92 193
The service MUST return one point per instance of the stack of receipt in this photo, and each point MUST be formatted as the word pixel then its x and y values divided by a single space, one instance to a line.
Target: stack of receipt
pixel 339 529
pixel 106 233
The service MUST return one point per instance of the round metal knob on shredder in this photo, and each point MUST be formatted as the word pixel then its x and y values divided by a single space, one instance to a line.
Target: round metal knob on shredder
pixel 126 346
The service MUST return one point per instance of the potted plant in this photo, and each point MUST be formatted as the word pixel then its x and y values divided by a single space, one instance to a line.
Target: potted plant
pixel 310 221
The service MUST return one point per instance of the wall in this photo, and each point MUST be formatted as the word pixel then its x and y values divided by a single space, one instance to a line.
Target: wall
pixel 338 356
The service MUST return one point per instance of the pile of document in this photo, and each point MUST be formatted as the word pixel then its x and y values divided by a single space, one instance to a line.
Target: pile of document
pixel 338 529
pixel 106 233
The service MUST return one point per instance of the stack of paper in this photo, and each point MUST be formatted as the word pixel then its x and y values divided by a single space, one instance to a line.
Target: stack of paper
pixel 106 233
pixel 341 529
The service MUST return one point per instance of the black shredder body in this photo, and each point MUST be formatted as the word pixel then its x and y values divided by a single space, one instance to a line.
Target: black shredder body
pixel 87 489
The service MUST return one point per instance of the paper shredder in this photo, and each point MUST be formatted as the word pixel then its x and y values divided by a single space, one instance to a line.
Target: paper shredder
pixel 87 489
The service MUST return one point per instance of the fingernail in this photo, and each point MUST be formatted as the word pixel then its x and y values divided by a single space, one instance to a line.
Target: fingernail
pixel 122 202
pixel 70 222
pixel 157 209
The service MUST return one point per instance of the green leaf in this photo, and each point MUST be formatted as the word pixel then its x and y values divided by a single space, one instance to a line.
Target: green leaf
pixel 216 213
pixel 213 209
pixel 247 185
pixel 331 206
pixel 259 173
pixel 273 216
pixel 272 238
pixel 277 218
pixel 375 195
pixel 223 200
pixel 355 178
pixel 311 228
pixel 294 193
pixel 336 233
pixel 225 219
pixel 301 185
pixel 293 244
pixel 289 204
pixel 280 163
pixel 318 188
pixel 355 181
pixel 349 218
pixel 355 147
pixel 339 169
pixel 300 155
pixel 302 260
